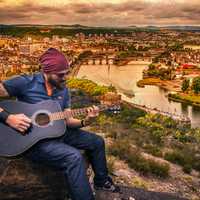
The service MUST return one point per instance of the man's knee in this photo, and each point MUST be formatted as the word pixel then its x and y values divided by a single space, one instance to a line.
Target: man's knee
pixel 99 142
pixel 74 159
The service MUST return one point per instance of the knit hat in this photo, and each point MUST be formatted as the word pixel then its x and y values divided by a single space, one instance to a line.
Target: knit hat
pixel 53 61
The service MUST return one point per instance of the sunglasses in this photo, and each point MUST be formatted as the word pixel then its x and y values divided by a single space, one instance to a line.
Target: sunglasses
pixel 61 75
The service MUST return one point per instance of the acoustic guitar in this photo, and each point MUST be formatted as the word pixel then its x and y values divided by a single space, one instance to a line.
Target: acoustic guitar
pixel 48 121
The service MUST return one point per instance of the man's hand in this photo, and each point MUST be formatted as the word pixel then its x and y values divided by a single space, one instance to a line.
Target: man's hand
pixel 92 112
pixel 19 122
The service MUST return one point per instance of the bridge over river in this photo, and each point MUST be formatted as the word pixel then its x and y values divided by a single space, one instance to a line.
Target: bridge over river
pixel 106 60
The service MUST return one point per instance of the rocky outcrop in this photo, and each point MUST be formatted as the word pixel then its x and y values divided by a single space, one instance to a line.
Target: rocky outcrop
pixel 23 180
pixel 130 193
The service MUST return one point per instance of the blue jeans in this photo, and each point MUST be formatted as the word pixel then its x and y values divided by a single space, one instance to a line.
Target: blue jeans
pixel 63 154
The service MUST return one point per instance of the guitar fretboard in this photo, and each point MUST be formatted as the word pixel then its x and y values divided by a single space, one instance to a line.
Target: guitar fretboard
pixel 74 112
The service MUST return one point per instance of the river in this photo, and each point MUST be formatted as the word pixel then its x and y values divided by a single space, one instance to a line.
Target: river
pixel 124 78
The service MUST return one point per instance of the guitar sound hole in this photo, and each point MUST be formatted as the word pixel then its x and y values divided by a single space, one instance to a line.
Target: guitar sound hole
pixel 42 119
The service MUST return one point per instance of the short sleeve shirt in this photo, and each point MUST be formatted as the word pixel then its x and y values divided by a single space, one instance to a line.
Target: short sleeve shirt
pixel 31 89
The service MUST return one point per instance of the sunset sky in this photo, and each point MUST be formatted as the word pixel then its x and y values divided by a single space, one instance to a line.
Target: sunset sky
pixel 101 12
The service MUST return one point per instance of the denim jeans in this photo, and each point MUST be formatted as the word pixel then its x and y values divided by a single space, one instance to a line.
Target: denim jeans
pixel 63 154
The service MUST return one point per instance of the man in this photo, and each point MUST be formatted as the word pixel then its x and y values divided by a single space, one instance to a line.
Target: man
pixel 62 153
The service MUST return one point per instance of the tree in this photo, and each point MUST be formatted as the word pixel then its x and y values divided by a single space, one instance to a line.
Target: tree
pixel 156 59
pixel 152 66
pixel 84 55
pixel 196 85
pixel 185 84
pixel 176 47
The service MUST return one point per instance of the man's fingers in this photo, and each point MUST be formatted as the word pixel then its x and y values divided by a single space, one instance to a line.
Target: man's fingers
pixel 93 111
pixel 96 110
pixel 96 107
pixel 21 129
pixel 68 113
pixel 24 124
pixel 26 119
pixel 89 110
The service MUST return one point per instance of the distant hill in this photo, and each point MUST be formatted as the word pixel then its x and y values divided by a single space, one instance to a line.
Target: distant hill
pixel 152 27
pixel 187 28
pixel 48 26
pixel 79 26
pixel 132 26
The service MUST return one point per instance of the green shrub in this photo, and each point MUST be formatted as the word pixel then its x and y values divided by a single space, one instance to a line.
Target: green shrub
pixel 110 163
pixel 123 150
pixel 129 115
pixel 196 164
pixel 183 158
pixel 168 122
pixel 156 136
pixel 88 86
pixel 153 150
pixel 139 183
pixel 187 168
pixel 182 137
pixel 159 169
pixel 148 166
pixel 175 157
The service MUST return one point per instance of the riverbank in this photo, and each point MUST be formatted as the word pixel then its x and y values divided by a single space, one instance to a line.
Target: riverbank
pixel 191 99
pixel 172 85
pixel 132 62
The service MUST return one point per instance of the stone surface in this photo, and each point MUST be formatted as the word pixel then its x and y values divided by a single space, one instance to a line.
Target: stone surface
pixel 23 180
pixel 129 193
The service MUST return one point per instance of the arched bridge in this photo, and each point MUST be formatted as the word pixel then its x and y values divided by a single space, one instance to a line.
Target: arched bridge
pixel 105 60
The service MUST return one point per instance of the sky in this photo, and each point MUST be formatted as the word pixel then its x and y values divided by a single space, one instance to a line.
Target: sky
pixel 120 13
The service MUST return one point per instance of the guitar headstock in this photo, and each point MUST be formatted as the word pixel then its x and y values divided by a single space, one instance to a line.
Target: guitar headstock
pixel 115 109
pixel 112 101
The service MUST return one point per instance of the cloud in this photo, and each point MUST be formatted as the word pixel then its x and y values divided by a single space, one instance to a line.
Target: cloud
pixel 103 14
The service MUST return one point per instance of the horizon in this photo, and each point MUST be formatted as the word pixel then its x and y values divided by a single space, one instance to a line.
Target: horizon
pixel 81 25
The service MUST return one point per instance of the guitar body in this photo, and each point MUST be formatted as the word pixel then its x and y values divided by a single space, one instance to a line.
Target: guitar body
pixel 13 143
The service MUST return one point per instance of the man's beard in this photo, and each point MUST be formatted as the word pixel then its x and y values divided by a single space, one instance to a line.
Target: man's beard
pixel 60 85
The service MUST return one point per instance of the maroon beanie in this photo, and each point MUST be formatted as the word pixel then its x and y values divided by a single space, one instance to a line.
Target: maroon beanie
pixel 53 61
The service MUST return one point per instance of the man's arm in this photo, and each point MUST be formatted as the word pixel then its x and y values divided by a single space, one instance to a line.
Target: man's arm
pixel 17 121
pixel 3 92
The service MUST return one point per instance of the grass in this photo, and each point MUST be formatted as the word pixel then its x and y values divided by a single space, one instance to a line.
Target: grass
pixel 178 157
pixel 88 86
pixel 139 183
pixel 148 81
pixel 135 160
pixel 153 150
pixel 187 98
pixel 111 164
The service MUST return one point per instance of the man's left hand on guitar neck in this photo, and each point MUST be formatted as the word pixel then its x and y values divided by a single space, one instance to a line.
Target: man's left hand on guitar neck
pixel 92 113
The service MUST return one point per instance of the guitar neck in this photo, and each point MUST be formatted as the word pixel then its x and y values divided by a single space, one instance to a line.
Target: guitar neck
pixel 74 113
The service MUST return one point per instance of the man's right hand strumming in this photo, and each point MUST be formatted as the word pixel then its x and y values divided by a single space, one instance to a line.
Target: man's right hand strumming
pixel 19 122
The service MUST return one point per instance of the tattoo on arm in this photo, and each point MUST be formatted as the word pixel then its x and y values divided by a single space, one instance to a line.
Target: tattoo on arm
pixel 3 92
